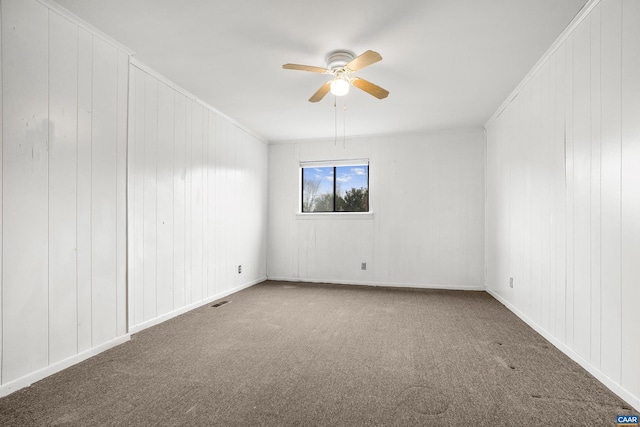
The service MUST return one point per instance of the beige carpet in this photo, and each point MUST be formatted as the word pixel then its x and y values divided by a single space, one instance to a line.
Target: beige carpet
pixel 281 354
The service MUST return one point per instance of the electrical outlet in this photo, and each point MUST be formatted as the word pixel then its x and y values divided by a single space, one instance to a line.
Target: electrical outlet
pixel 363 266
pixel 239 269
pixel 511 282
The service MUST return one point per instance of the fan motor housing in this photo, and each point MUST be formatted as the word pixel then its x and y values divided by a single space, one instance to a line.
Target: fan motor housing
pixel 339 58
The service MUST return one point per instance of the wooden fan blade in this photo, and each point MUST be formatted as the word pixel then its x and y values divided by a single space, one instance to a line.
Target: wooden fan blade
pixel 305 68
pixel 364 60
pixel 320 93
pixel 370 88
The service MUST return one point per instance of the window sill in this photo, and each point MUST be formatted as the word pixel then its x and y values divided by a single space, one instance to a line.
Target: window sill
pixel 334 215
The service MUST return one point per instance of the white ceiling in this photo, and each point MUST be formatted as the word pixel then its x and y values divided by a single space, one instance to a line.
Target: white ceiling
pixel 447 63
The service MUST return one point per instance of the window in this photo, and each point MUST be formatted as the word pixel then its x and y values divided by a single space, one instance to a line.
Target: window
pixel 339 186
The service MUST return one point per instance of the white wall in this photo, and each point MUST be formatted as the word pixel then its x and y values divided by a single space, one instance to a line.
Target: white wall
pixel 197 202
pixel 197 194
pixel 563 198
pixel 64 100
pixel 427 227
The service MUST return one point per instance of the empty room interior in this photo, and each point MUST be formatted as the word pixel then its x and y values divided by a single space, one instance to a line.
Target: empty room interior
pixel 419 212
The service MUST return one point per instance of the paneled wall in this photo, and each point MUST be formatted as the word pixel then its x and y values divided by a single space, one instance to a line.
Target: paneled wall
pixel 563 198
pixel 197 202
pixel 63 157
pixel 427 223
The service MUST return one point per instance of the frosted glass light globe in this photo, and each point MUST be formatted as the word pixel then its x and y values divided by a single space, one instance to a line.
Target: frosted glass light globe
pixel 339 87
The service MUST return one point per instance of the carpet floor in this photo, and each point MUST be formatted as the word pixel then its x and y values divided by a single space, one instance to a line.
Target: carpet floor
pixel 300 354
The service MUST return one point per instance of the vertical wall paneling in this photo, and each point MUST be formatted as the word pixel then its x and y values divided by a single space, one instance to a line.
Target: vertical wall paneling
pixel 595 103
pixel 561 161
pixel 522 229
pixel 63 78
pixel 221 191
pixel 294 236
pixel 528 210
pixel 552 216
pixel 205 200
pixel 83 188
pixel 104 191
pixel 518 227
pixel 164 178
pixel 225 166
pixel 545 110
pixel 1 197
pixel 196 199
pixel 545 192
pixel 630 214
pixel 570 182
pixel 136 189
pixel 205 203
pixel 179 172
pixel 222 170
pixel 131 185
pixel 581 190
pixel 217 202
pixel 211 205
pixel 261 200
pixel 495 171
pixel 149 201
pixel 261 191
pixel 536 205
pixel 177 195
pixel 121 191
pixel 535 215
pixel 610 185
pixel 64 106
pixel 221 141
pixel 234 192
pixel 591 142
pixel 25 188
pixel 188 204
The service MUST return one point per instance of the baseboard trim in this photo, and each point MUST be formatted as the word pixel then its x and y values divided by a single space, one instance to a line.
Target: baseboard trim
pixel 163 318
pixel 387 284
pixel 612 385
pixel 27 380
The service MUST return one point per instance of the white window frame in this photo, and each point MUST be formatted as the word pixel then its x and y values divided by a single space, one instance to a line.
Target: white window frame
pixel 333 215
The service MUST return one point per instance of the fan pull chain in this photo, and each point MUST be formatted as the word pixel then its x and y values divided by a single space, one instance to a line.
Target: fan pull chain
pixel 344 124
pixel 335 121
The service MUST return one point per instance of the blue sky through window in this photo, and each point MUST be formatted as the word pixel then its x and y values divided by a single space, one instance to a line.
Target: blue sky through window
pixel 318 188
pixel 348 177
pixel 325 176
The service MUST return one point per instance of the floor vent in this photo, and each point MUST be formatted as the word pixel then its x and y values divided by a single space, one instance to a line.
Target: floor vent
pixel 218 304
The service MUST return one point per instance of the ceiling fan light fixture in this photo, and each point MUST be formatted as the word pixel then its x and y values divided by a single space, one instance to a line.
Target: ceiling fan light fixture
pixel 341 64
pixel 339 86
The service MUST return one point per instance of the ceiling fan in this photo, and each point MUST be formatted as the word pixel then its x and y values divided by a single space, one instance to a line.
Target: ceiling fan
pixel 341 64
